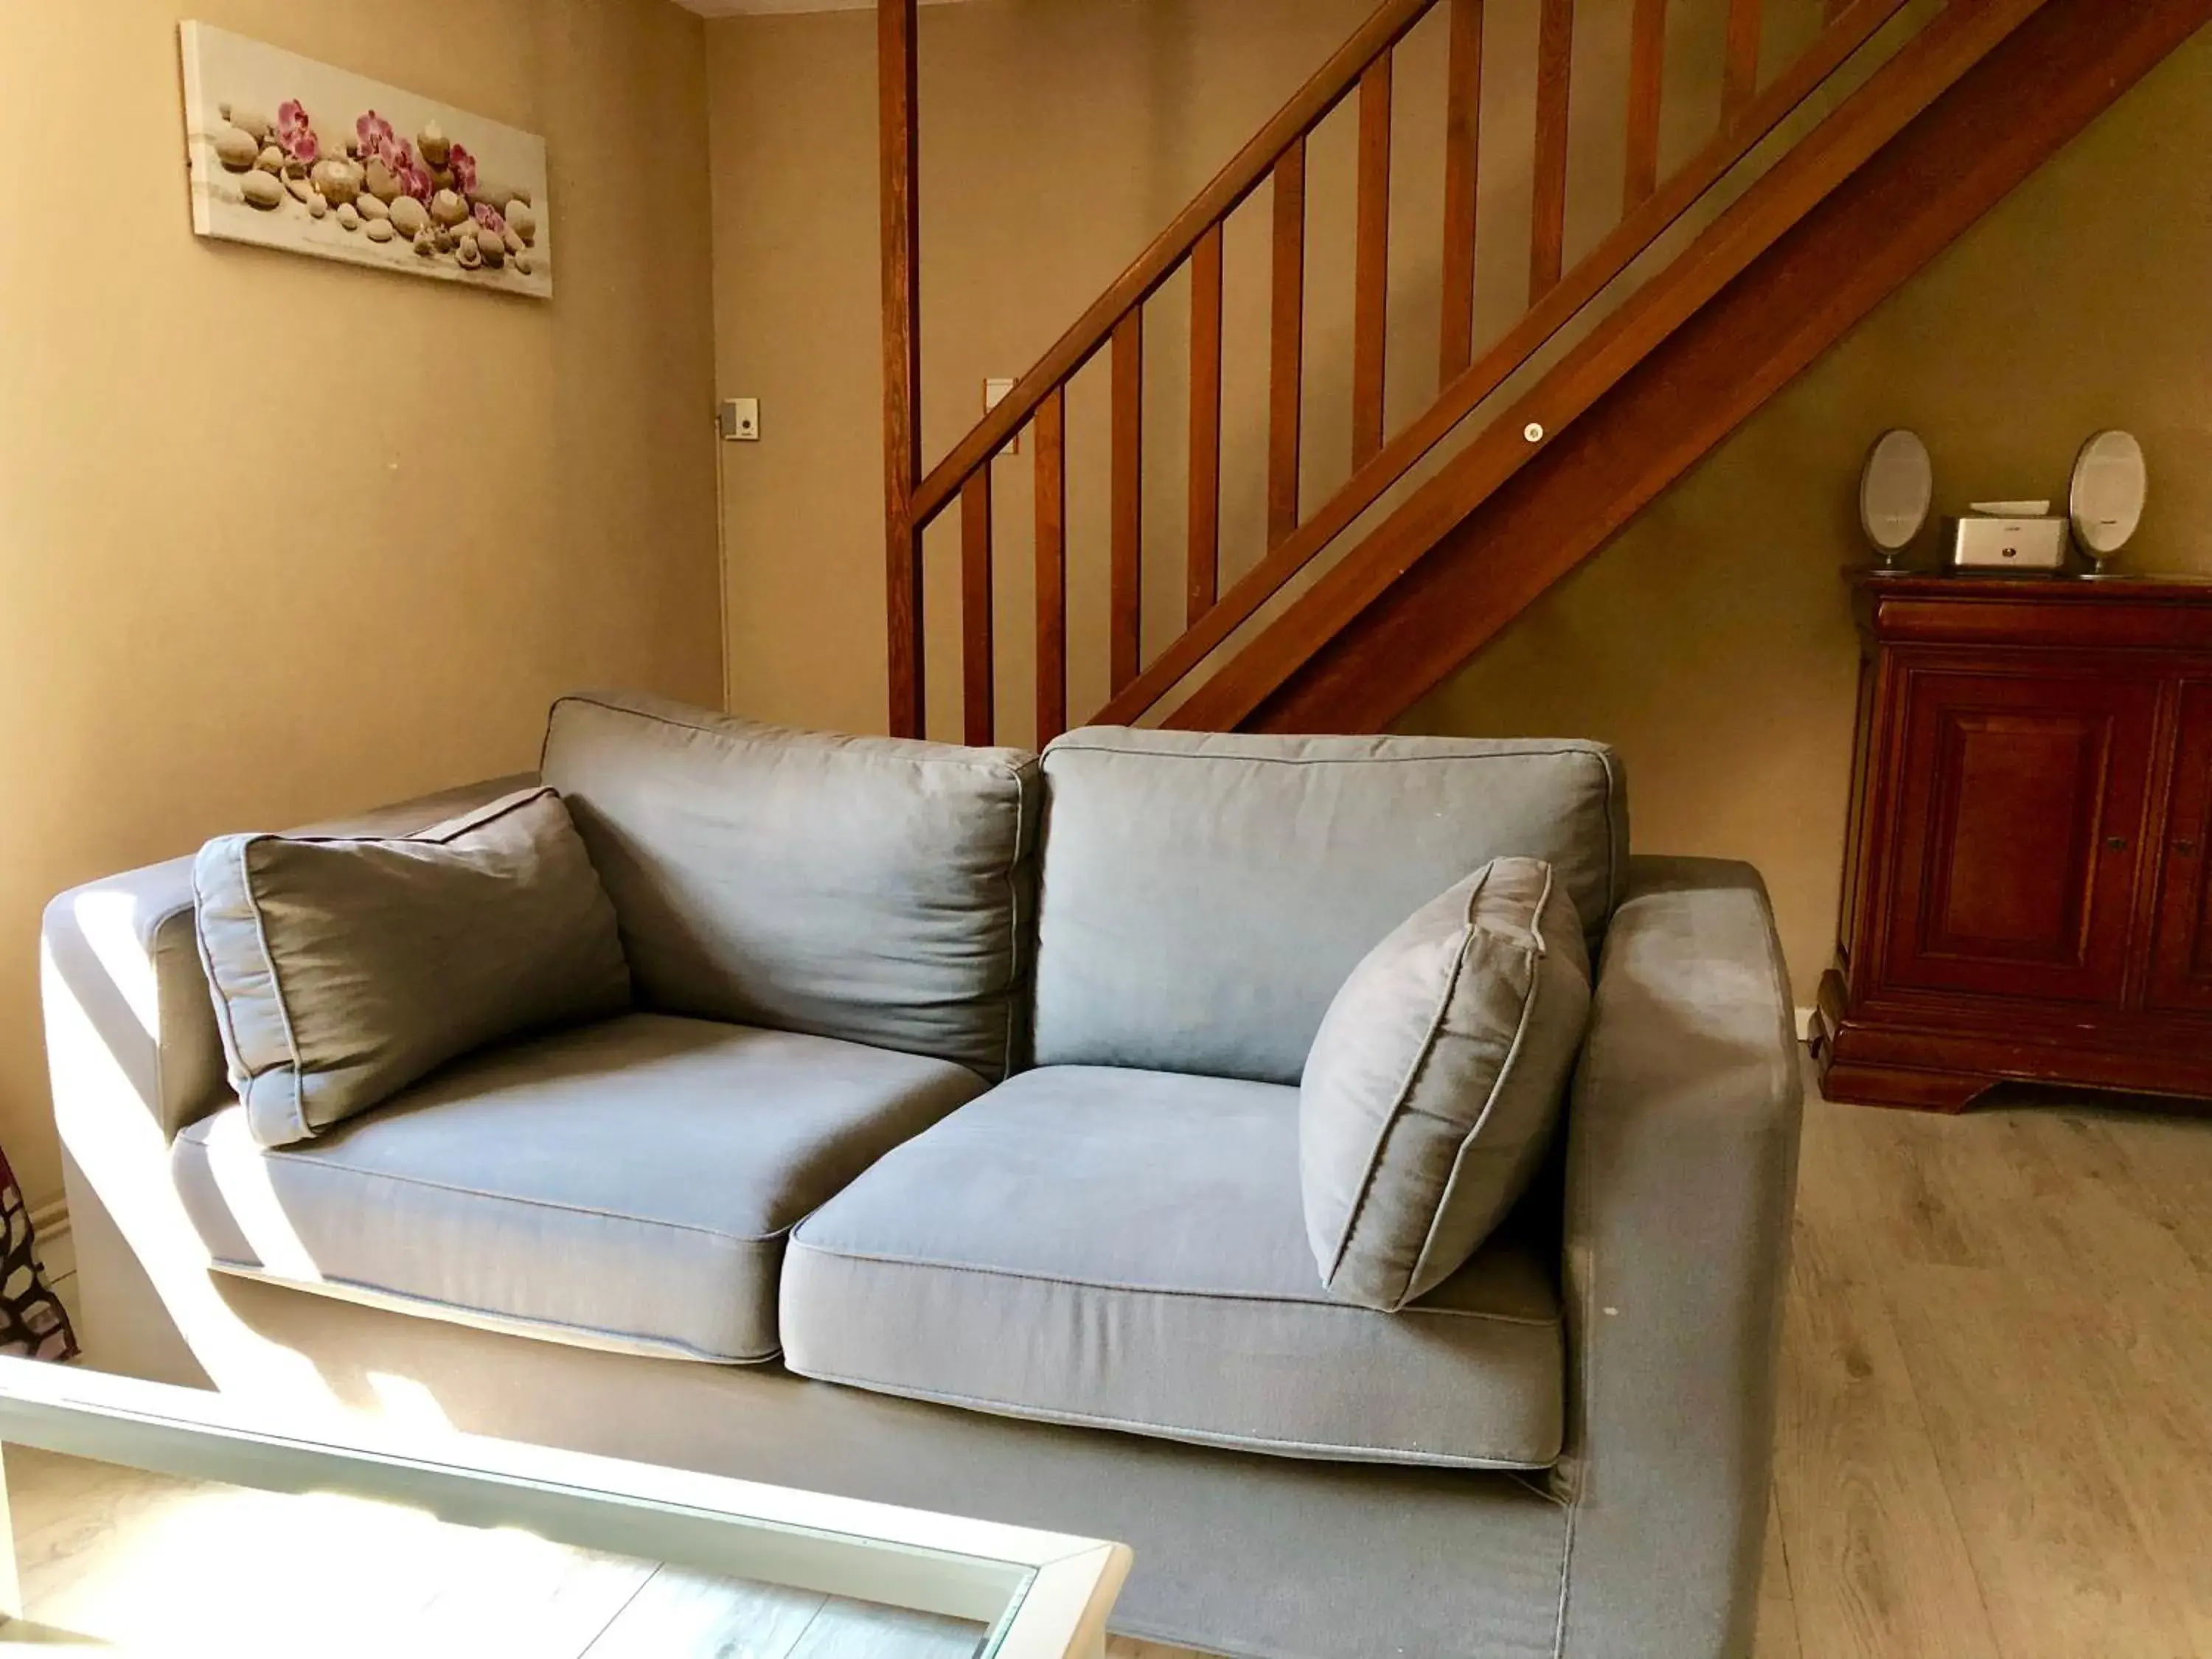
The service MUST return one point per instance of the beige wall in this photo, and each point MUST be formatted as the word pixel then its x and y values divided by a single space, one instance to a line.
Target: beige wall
pixel 280 538
pixel 1058 136
pixel 1712 641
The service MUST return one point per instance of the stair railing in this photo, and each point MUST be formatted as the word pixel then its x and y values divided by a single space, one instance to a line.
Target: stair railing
pixel 1114 325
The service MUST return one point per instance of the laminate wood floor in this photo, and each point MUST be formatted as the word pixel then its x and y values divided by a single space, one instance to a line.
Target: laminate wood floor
pixel 1994 1442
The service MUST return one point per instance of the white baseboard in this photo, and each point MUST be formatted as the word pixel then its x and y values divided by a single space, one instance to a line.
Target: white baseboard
pixel 1804 1024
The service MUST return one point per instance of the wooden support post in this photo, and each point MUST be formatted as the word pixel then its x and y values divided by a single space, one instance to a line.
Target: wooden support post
pixel 1052 567
pixel 1647 70
pixel 1203 578
pixel 1371 281
pixel 900 187
pixel 1463 153
pixel 1286 345
pixel 1125 579
pixel 1555 48
pixel 978 655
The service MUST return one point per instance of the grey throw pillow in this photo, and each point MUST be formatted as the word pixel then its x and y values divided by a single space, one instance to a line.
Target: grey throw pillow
pixel 343 969
pixel 1436 1080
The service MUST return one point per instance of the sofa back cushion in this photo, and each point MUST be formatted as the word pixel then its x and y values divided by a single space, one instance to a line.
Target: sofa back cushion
pixel 1203 895
pixel 863 888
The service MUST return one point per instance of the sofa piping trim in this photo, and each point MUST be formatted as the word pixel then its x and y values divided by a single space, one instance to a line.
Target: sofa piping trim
pixel 1317 1451
pixel 308 1161
pixel 1326 1302
pixel 1420 1064
pixel 484 1319
pixel 1529 1009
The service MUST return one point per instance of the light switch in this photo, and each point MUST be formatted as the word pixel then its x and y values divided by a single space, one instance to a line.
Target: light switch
pixel 740 420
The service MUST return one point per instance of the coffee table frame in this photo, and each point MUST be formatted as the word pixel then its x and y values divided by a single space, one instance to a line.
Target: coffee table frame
pixel 1043 1595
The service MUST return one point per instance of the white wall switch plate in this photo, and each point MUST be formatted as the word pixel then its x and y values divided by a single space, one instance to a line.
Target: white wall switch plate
pixel 740 420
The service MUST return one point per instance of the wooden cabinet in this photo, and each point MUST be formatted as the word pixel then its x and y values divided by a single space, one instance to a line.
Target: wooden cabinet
pixel 2026 892
pixel 2181 968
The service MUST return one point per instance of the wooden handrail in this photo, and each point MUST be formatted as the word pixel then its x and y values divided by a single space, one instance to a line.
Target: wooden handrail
pixel 2032 94
pixel 1590 275
pixel 1246 171
pixel 1952 44
pixel 1114 325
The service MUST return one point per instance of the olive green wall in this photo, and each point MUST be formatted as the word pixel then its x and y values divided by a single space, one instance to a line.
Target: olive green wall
pixel 1712 640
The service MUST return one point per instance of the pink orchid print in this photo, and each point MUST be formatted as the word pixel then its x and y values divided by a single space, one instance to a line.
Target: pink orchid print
pixel 296 133
pixel 464 168
pixel 373 132
pixel 414 179
pixel 489 218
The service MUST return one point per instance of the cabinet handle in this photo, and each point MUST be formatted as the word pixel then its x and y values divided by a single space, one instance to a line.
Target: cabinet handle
pixel 2118 843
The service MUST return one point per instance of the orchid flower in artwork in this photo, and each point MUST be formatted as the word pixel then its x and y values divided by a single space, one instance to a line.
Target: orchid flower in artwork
pixel 464 168
pixel 296 133
pixel 371 132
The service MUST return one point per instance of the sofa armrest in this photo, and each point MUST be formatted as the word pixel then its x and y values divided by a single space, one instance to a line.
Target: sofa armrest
pixel 1681 1169
pixel 126 997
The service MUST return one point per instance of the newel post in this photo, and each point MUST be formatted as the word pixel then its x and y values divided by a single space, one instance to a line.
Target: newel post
pixel 898 87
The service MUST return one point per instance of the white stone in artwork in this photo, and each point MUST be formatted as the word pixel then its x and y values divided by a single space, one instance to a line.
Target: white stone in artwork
pixel 291 154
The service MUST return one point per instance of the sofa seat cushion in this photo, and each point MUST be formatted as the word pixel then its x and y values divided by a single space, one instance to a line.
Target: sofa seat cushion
pixel 1127 1249
pixel 626 1185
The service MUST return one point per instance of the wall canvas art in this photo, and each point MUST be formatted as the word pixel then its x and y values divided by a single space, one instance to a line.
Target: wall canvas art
pixel 289 153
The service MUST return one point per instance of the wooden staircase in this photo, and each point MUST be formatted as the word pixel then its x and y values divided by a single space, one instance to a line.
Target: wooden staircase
pixel 1960 109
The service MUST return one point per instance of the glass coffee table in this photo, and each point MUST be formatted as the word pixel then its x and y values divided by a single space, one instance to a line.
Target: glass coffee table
pixel 334 1536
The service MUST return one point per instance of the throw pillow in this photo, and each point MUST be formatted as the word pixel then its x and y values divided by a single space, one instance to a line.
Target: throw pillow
pixel 1435 1081
pixel 344 969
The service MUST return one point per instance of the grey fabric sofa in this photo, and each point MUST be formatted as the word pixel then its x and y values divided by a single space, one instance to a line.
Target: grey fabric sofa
pixel 992 1204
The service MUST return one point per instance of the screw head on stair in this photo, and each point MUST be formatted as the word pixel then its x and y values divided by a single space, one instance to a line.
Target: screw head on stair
pixel 1534 432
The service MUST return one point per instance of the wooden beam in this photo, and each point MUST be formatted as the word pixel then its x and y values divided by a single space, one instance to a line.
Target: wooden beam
pixel 1051 567
pixel 1286 345
pixel 978 650
pixel 1126 599
pixel 1462 169
pixel 1590 274
pixel 1647 75
pixel 1251 166
pixel 1372 265
pixel 1203 565
pixel 1555 54
pixel 2064 66
pixel 1905 86
pixel 900 190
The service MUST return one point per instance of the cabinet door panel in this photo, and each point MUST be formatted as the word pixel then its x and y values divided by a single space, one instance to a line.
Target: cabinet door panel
pixel 2021 812
pixel 2181 972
